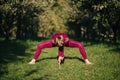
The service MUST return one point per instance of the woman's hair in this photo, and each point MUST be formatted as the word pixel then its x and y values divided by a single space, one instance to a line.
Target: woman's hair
pixel 59 37
pixel 59 41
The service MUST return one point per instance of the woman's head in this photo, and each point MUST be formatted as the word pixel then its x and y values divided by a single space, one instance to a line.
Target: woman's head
pixel 59 41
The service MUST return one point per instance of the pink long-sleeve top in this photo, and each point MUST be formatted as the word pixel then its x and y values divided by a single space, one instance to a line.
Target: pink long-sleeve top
pixel 65 37
pixel 59 34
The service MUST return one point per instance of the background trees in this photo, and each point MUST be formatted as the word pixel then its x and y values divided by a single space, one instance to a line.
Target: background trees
pixel 96 20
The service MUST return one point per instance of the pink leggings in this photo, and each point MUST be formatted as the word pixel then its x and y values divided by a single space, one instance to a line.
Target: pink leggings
pixel 49 44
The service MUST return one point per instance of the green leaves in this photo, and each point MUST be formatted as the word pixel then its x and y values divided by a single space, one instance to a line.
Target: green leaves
pixel 28 18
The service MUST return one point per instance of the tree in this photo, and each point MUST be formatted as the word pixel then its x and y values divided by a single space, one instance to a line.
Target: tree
pixel 98 18
pixel 89 19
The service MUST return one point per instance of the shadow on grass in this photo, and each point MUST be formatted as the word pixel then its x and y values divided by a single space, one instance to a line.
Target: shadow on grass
pixel 47 58
pixel 115 48
pixel 11 51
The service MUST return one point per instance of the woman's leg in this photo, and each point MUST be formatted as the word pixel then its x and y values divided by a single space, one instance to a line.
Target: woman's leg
pixel 79 45
pixel 45 44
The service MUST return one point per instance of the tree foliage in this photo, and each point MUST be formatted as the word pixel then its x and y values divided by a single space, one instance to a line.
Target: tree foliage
pixel 97 19
pixel 91 19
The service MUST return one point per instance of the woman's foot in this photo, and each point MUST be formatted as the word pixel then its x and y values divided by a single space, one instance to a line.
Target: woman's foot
pixel 87 61
pixel 60 59
pixel 32 61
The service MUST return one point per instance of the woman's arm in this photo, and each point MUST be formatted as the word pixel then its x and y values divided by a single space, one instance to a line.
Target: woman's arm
pixel 66 39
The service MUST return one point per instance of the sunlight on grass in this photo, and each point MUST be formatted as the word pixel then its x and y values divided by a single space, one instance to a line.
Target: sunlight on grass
pixel 106 63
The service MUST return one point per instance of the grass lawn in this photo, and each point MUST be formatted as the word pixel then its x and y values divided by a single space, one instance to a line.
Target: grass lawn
pixel 15 55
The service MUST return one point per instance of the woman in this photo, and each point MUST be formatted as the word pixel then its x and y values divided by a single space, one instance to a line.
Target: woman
pixel 60 40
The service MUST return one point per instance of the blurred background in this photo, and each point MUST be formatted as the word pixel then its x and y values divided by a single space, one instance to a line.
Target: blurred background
pixel 84 19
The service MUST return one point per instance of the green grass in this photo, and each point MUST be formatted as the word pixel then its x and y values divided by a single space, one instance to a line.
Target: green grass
pixel 15 55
